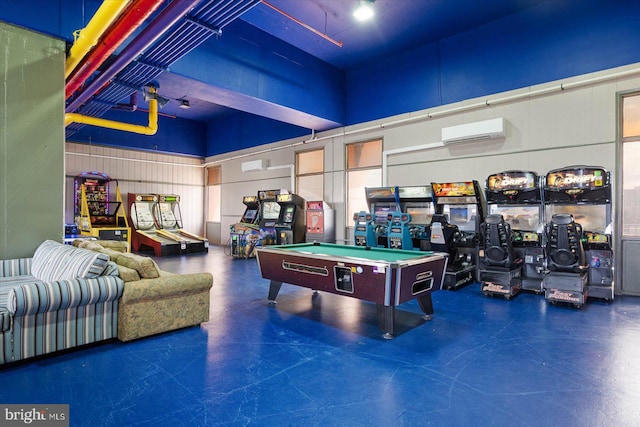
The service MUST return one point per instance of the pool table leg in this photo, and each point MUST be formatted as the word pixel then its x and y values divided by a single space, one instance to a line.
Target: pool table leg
pixel 426 305
pixel 386 316
pixel 274 288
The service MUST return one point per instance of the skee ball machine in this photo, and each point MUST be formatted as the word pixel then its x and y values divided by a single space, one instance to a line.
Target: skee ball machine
pixel 144 234
pixel 101 213
pixel 169 220
pixel 517 196
pixel 455 229
pixel 583 192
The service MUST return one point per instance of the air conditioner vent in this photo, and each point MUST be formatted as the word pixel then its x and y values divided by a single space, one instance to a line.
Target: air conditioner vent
pixel 471 132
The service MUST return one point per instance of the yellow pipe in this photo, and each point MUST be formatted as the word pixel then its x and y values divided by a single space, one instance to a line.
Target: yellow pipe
pixel 89 35
pixel 150 129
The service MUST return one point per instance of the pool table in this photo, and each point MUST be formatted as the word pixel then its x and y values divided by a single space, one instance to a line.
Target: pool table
pixel 386 277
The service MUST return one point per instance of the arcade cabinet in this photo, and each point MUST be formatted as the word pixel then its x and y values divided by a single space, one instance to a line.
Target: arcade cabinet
pixel 364 230
pixel 144 236
pixel 245 235
pixel 517 196
pixel 585 193
pixel 455 228
pixel 290 226
pixel 417 201
pixel 320 222
pixel 168 218
pixel 499 268
pixel 269 215
pixel 101 213
pixel 381 202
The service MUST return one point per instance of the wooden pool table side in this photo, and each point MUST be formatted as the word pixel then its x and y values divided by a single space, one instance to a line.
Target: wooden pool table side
pixel 354 271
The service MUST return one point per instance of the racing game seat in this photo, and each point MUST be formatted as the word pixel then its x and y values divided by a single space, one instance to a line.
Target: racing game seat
pixel 443 237
pixel 498 243
pixel 565 251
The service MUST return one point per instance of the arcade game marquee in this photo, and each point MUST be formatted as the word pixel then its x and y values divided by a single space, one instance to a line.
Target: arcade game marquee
pixel 578 203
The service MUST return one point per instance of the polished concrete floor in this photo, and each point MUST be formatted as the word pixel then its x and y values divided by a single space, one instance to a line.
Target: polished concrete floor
pixel 322 361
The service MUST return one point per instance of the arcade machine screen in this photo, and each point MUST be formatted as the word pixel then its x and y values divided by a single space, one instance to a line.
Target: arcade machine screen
pixel 288 214
pixel 462 216
pixel 381 211
pixel 270 210
pixel 519 217
pixel 249 215
pixel 591 217
pixel 419 214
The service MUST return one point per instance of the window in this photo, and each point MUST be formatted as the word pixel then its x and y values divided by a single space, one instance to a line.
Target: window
pixel 630 160
pixel 364 169
pixel 213 193
pixel 310 174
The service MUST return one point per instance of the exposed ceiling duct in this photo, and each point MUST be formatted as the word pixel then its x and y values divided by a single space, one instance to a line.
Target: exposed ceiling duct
pixel 165 40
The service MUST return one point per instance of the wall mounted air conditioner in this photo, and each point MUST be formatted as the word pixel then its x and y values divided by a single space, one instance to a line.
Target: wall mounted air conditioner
pixel 255 165
pixel 470 132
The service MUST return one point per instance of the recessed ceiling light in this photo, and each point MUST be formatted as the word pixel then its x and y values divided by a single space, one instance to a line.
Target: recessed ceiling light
pixel 364 11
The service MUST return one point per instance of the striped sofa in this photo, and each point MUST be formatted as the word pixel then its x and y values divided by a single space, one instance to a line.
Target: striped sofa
pixel 62 297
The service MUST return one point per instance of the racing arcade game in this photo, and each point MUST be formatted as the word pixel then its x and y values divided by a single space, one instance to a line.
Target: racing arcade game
pixel 364 232
pixel 245 235
pixel 290 226
pixel 381 201
pixel 455 229
pixel 579 195
pixel 517 196
pixel 386 204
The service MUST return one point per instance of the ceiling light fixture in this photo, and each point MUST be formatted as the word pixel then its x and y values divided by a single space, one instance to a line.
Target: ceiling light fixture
pixel 184 104
pixel 364 11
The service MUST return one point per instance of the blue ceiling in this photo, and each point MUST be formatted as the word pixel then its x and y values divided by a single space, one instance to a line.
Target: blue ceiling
pixel 266 71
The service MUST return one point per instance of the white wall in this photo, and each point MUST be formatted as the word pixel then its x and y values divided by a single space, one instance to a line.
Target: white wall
pixel 553 125
pixel 141 172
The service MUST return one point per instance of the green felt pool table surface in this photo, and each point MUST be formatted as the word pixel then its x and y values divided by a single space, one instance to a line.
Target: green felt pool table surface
pixel 371 254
